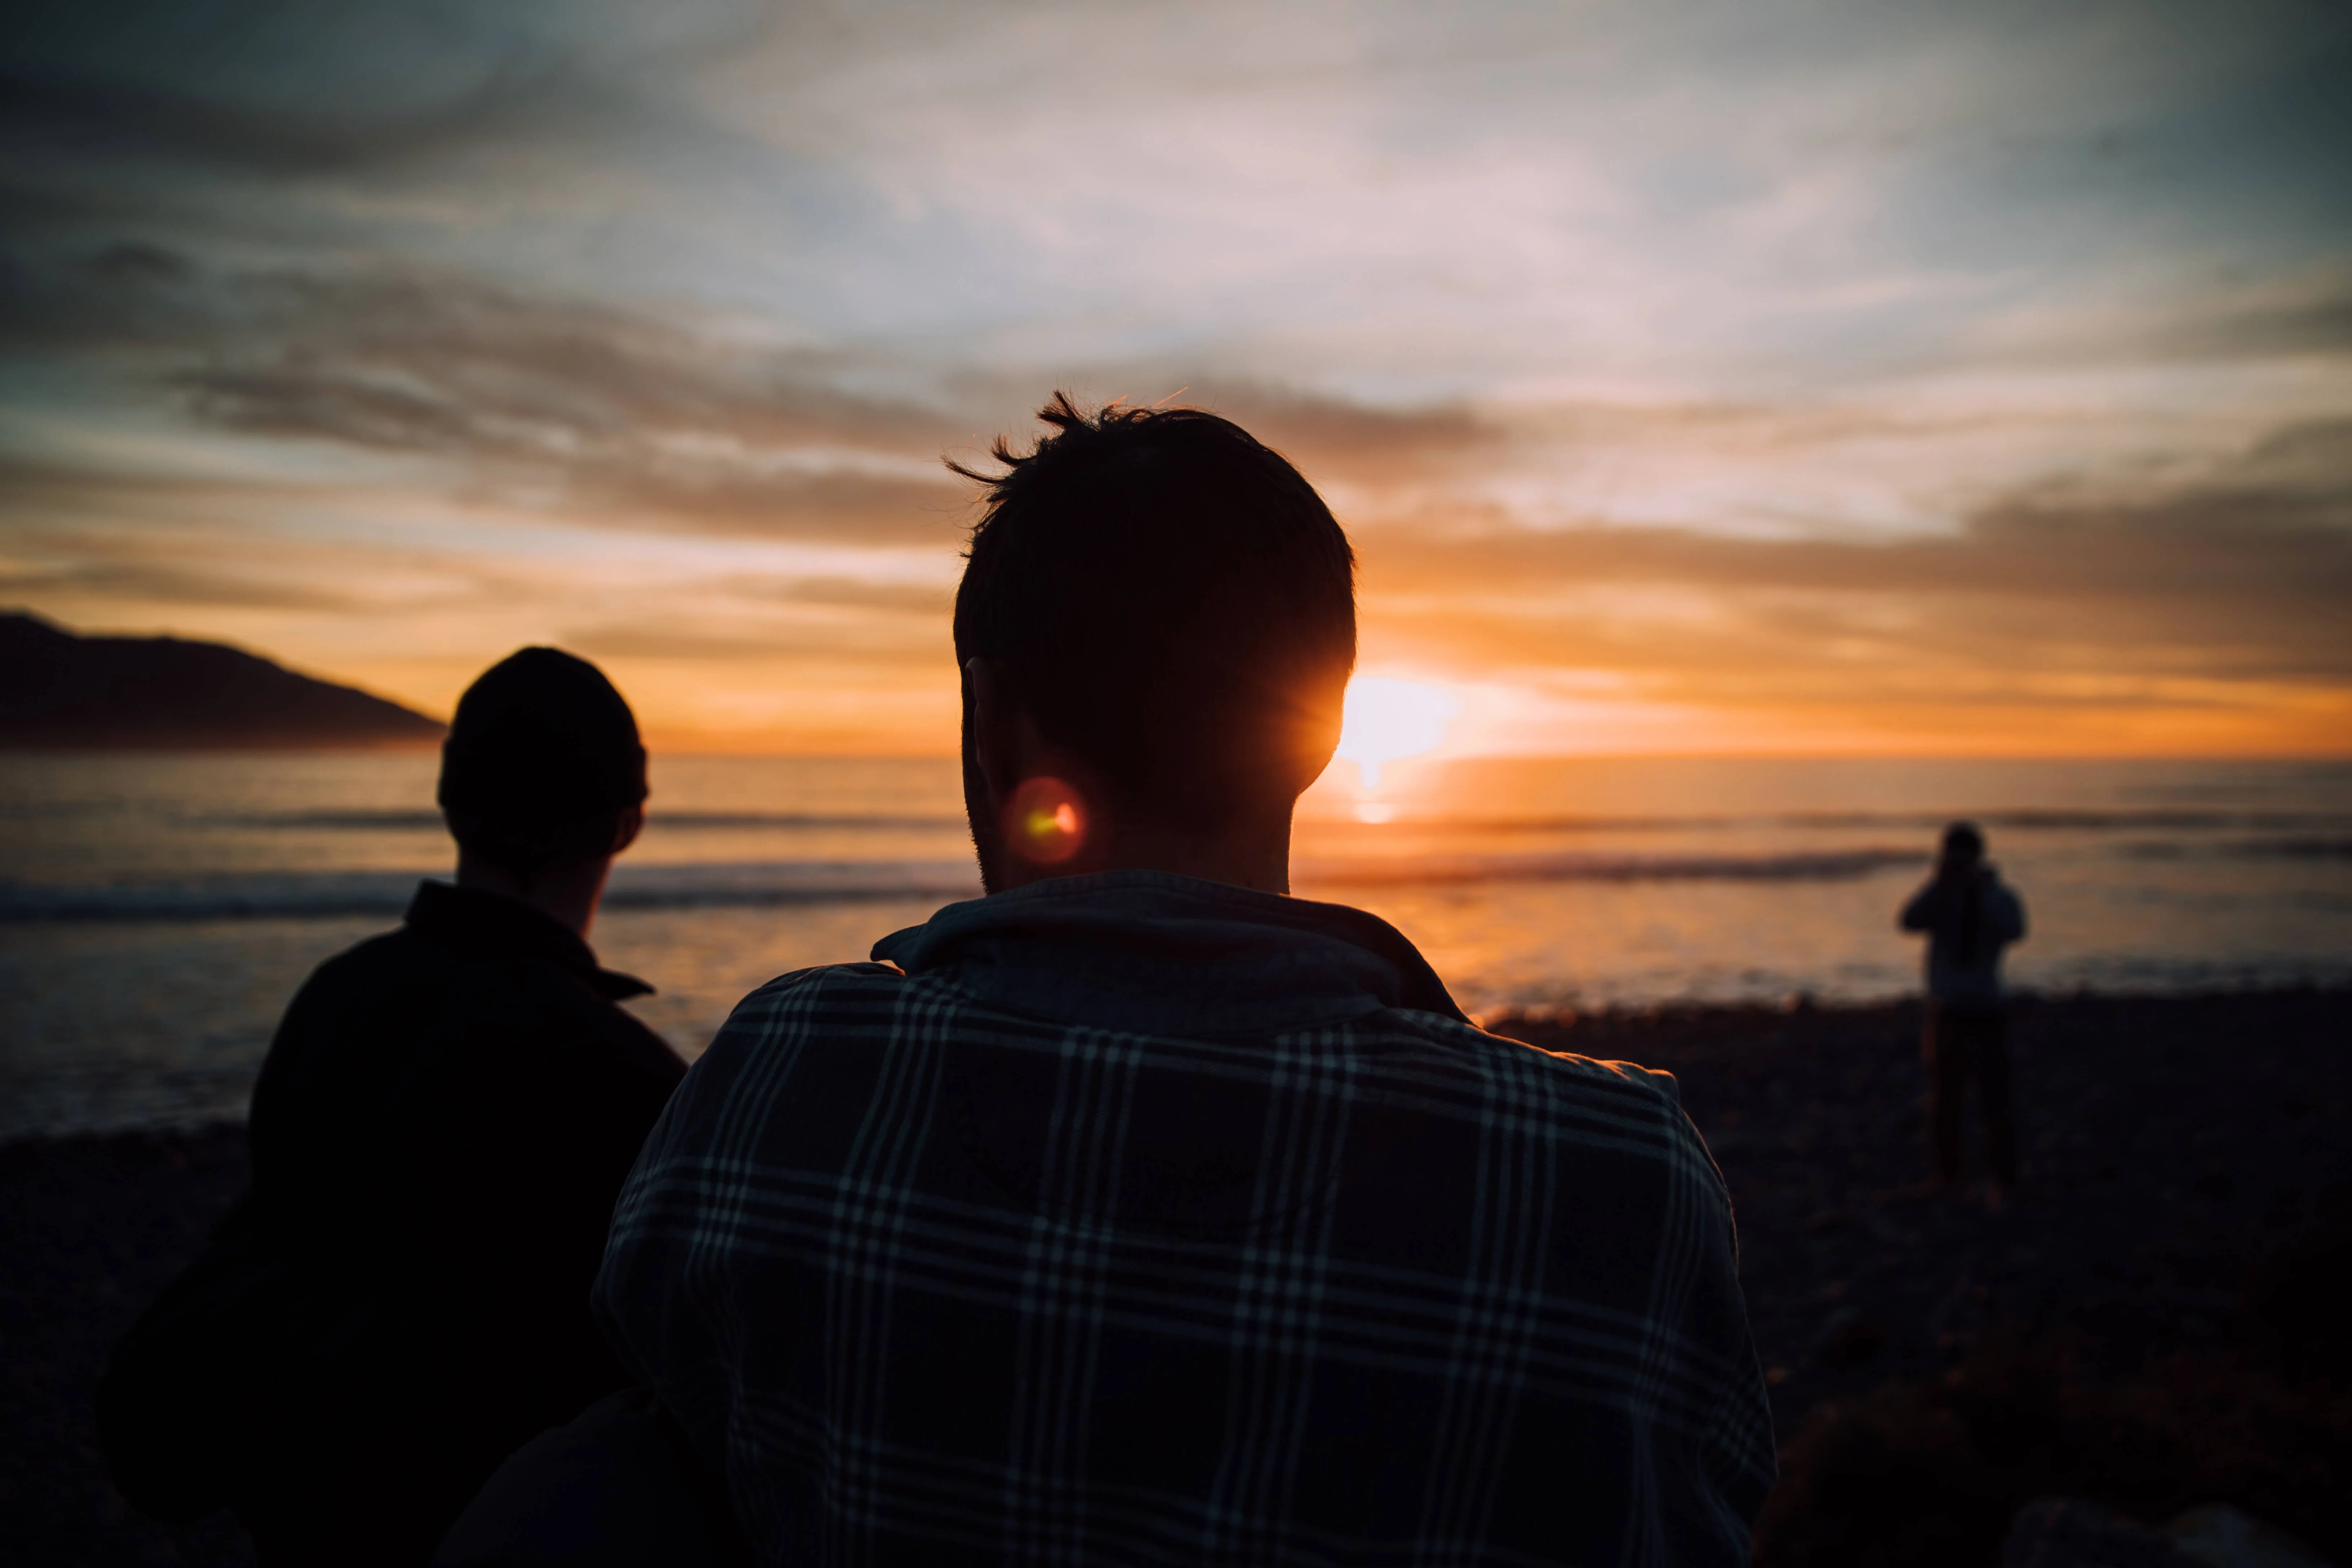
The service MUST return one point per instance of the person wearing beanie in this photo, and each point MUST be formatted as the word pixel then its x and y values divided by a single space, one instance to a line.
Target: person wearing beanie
pixel 439 1131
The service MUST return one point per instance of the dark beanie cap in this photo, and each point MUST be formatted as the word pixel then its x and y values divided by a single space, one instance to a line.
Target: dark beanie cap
pixel 541 737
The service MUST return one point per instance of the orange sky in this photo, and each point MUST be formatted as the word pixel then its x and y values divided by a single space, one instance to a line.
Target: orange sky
pixel 1805 379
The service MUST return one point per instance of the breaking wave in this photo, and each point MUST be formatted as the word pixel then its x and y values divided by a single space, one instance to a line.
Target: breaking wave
pixel 2159 819
pixel 408 821
pixel 1929 822
pixel 1832 866
pixel 759 885
pixel 320 895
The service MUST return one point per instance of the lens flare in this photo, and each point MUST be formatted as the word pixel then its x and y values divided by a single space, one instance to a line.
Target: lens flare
pixel 1389 721
pixel 1046 821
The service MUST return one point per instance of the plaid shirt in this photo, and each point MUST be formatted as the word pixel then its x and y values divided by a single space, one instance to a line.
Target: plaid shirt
pixel 1145 1220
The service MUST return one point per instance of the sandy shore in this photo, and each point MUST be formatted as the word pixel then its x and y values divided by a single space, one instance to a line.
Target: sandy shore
pixel 2172 1146
pixel 90 1229
pixel 2166 1144
pixel 2155 1322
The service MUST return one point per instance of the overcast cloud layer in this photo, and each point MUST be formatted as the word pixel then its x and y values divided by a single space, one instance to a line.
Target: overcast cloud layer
pixel 1807 376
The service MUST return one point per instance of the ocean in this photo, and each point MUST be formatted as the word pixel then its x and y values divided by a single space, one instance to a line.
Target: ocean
pixel 157 912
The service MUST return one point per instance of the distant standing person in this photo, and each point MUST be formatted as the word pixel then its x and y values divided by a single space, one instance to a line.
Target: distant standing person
pixel 439 1131
pixel 1970 915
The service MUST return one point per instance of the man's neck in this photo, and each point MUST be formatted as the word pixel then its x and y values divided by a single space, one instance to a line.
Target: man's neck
pixel 1255 858
pixel 567 892
pixel 1252 855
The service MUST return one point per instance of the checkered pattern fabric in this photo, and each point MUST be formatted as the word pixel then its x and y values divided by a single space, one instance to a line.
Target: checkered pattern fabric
pixel 942 1279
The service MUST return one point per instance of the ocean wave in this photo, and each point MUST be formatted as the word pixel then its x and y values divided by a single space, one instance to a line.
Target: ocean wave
pixel 761 885
pixel 2313 826
pixel 2298 848
pixel 409 821
pixel 309 895
pixel 2132 820
pixel 2019 820
pixel 335 821
pixel 324 895
pixel 1836 866
pixel 2301 846
pixel 758 885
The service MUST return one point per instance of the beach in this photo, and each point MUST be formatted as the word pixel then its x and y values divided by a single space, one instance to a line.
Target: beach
pixel 1929 1358
pixel 156 911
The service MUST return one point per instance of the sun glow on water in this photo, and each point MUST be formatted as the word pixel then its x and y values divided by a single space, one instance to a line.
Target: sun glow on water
pixel 1387 720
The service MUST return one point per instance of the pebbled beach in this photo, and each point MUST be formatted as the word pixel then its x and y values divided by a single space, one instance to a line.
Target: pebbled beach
pixel 2180 1153
pixel 2167 1143
pixel 2153 1321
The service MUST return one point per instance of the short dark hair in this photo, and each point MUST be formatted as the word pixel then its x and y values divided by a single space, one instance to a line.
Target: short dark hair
pixel 542 762
pixel 1167 597
pixel 1964 843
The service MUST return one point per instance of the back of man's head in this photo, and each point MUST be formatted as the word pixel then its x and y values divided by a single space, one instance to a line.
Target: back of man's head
pixel 542 762
pixel 1964 845
pixel 1169 600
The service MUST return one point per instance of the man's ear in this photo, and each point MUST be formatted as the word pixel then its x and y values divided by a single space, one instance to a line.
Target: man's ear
pixel 995 726
pixel 626 827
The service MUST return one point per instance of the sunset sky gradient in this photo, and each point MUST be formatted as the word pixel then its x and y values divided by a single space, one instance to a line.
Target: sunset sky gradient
pixel 1813 378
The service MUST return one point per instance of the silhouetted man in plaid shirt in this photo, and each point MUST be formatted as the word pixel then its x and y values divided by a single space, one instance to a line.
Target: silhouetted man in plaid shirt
pixel 1139 1213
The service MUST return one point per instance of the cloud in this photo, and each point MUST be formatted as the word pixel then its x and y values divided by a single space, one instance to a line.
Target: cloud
pixel 1333 438
pixel 149 122
pixel 856 643
pixel 603 414
pixel 606 415
pixel 2231 587
pixel 1889 356
pixel 159 583
pixel 933 601
pixel 2305 319
pixel 247 88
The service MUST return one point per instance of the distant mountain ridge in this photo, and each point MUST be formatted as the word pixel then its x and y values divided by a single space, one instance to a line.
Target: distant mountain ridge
pixel 66 693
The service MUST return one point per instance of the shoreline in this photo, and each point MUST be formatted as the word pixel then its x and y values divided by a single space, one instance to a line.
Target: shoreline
pixel 2171 1145
pixel 1669 1021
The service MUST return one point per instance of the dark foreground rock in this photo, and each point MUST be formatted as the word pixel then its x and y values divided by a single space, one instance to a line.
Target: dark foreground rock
pixel 2154 1323
pixel 90 1229
pixel 2155 1320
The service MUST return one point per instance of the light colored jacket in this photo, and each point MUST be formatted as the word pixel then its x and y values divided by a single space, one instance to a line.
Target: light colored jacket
pixel 1968 920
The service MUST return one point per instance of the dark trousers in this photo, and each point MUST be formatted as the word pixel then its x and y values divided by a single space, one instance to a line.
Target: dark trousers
pixel 1962 1042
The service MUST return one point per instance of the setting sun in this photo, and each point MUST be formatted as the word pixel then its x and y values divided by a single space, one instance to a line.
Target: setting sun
pixel 1387 720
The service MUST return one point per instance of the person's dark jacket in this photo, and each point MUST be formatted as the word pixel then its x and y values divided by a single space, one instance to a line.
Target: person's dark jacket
pixel 1969 916
pixel 443 1123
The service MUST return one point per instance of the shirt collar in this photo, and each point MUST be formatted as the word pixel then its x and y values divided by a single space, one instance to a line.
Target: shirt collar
pixel 478 921
pixel 1151 952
